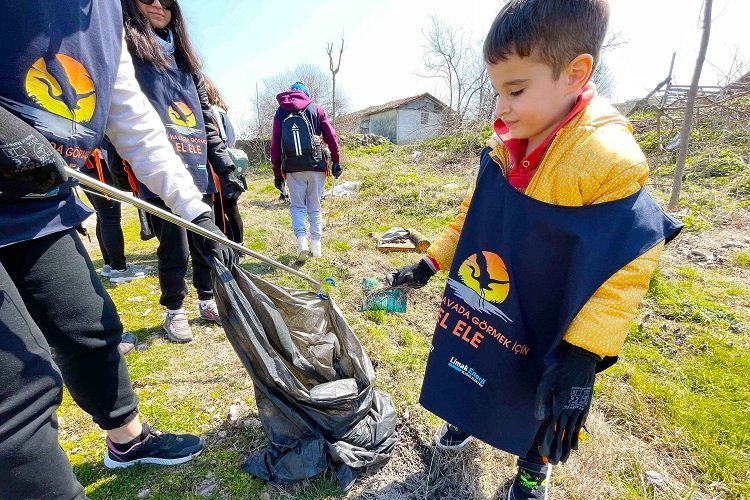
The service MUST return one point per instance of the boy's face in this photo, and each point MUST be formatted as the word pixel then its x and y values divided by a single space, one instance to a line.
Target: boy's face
pixel 530 100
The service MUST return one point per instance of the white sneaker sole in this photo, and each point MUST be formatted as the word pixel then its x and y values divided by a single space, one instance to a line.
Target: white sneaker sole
pixel 111 464
pixel 454 447
pixel 176 339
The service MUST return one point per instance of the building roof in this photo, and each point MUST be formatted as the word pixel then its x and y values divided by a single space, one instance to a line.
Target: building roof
pixel 372 110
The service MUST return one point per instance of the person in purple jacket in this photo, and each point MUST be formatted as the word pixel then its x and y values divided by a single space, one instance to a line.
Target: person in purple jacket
pixel 297 158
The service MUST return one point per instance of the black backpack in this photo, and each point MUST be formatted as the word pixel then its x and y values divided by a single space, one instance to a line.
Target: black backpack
pixel 300 147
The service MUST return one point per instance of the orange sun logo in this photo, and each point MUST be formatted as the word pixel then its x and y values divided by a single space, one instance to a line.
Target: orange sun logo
pixel 486 274
pixel 62 86
pixel 181 114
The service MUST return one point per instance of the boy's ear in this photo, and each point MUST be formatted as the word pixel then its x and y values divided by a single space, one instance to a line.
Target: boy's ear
pixel 579 71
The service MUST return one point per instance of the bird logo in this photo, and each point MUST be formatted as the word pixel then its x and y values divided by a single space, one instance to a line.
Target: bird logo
pixel 181 114
pixel 486 274
pixel 62 86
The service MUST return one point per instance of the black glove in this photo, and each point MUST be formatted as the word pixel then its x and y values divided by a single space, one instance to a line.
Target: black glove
pixel 28 162
pixel 232 186
pixel 414 276
pixel 563 400
pixel 336 170
pixel 209 248
pixel 278 183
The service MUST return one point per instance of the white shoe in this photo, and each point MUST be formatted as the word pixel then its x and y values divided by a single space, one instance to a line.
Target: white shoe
pixel 316 248
pixel 303 251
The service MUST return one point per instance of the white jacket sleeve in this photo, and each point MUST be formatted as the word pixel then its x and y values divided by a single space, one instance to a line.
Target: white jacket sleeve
pixel 138 134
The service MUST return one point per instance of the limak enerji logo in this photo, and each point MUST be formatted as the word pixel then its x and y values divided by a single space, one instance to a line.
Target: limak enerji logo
pixel 181 114
pixel 467 371
pixel 62 86
pixel 485 282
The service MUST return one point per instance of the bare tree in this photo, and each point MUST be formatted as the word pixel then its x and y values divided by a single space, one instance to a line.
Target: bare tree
pixel 451 57
pixel 687 124
pixel 315 78
pixel 334 72
pixel 602 75
pixel 737 68
pixel 603 79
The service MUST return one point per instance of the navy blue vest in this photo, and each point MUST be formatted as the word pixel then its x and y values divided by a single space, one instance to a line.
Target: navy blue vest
pixel 173 94
pixel 521 272
pixel 60 60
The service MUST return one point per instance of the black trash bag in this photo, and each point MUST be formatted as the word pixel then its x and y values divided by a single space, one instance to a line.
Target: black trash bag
pixel 313 381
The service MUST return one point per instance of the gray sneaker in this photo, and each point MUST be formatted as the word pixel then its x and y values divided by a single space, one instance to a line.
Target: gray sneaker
pixel 210 312
pixel 177 328
pixel 106 271
pixel 127 275
pixel 127 343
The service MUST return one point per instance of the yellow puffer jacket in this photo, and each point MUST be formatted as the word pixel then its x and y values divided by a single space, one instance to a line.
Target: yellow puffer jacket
pixel 593 159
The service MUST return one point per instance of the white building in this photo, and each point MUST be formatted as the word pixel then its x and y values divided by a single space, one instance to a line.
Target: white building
pixel 402 121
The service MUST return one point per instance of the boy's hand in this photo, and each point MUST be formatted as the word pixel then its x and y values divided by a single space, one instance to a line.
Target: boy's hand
pixel 563 400
pixel 278 183
pixel 414 276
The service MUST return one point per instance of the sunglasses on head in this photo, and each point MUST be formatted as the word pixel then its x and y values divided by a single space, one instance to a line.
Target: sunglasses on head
pixel 167 4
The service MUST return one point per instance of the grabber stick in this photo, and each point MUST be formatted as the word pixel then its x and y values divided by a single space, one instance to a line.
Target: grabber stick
pixel 174 219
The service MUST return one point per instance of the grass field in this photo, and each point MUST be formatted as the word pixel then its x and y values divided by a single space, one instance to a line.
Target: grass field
pixel 677 404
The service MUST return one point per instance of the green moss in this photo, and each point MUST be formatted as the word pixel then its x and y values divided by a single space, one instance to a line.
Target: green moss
pixel 742 258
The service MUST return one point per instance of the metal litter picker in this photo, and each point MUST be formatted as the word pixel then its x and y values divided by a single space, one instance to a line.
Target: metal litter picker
pixel 313 381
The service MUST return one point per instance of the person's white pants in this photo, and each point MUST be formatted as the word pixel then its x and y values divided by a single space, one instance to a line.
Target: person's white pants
pixel 305 189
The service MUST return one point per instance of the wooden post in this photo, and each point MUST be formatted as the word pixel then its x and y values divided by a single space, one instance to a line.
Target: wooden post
pixel 687 124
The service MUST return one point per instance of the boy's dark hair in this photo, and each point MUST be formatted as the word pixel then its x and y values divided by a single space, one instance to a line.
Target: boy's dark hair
pixel 552 31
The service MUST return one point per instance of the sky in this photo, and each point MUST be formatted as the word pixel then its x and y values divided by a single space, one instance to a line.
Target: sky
pixel 244 41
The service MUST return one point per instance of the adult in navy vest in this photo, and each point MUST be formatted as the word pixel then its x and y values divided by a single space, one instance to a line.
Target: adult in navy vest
pixel 297 158
pixel 168 71
pixel 65 81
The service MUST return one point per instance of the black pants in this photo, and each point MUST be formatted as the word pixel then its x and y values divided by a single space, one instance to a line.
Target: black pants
pixel 57 323
pixel 109 230
pixel 175 246
pixel 231 225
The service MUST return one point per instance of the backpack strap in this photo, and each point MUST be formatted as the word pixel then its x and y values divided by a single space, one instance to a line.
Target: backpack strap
pixel 312 108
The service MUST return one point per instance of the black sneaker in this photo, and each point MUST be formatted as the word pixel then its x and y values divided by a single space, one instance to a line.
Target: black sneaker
pixel 530 482
pixel 450 437
pixel 157 448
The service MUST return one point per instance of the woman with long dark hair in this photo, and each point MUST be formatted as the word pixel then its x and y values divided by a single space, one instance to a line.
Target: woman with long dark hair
pixel 168 70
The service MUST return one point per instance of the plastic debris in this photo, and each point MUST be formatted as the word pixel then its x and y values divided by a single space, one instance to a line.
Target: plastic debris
pixel 345 189
pixel 379 298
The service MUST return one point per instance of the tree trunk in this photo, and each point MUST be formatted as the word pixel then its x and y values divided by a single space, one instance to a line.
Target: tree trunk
pixel 334 72
pixel 687 124
pixel 260 125
pixel 333 104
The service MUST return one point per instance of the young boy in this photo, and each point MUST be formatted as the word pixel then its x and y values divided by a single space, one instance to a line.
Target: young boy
pixel 550 255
